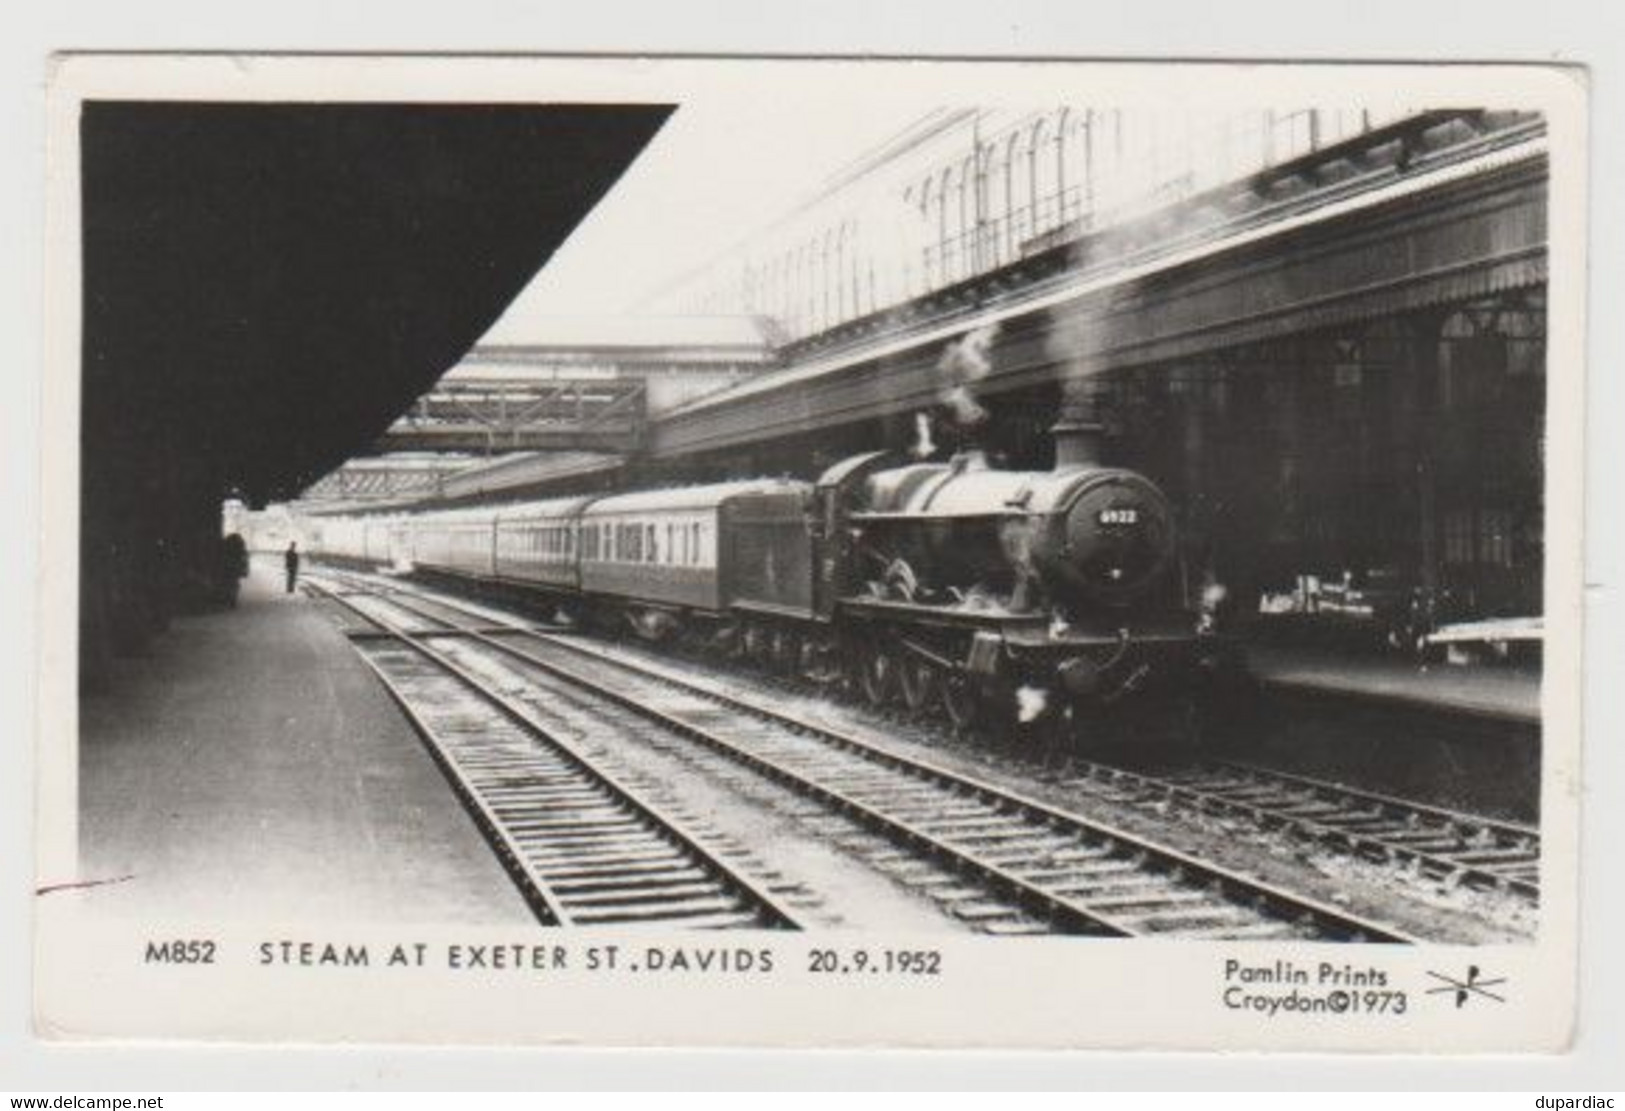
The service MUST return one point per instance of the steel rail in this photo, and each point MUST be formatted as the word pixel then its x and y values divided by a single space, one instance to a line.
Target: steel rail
pixel 549 905
pixel 1206 798
pixel 1287 906
pixel 1471 829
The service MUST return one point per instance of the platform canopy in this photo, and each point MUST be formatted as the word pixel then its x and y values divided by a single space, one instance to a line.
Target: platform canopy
pixel 266 286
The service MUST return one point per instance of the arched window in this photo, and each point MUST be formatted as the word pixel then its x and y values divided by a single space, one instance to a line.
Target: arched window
pixel 809 288
pixel 930 253
pixel 799 295
pixel 970 214
pixel 1083 161
pixel 1036 138
pixel 847 251
pixel 953 223
pixel 1018 172
pixel 1001 204
pixel 829 270
pixel 781 287
pixel 1063 122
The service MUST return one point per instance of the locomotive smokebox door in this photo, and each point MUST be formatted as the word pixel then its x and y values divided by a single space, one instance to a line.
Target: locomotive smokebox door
pixel 1108 540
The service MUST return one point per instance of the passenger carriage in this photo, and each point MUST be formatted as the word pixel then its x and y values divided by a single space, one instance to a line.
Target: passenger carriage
pixel 667 551
pixel 462 541
pixel 537 543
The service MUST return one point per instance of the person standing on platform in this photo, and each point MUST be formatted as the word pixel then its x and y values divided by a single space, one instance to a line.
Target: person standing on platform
pixel 290 561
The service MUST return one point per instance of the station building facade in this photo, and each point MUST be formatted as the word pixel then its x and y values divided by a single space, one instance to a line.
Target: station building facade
pixel 1323 333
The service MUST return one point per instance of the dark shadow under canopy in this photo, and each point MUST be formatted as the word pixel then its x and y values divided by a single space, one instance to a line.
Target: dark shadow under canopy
pixel 267 286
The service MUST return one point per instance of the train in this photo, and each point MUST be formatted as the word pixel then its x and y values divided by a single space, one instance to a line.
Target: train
pixel 1052 601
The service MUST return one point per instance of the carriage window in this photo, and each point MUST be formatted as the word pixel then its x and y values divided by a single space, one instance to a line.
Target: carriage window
pixel 698 549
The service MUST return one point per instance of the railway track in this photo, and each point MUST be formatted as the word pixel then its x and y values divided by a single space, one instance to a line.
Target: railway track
pixel 1014 858
pixel 582 847
pixel 1447 845
pixel 1456 848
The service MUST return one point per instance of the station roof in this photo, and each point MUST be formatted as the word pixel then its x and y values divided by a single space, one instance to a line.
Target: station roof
pixel 509 473
pixel 267 286
pixel 518 333
pixel 672 499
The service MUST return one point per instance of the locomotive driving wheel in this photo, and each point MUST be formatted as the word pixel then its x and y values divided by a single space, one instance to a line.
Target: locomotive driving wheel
pixel 877 675
pixel 961 702
pixel 786 652
pixel 917 681
pixel 754 643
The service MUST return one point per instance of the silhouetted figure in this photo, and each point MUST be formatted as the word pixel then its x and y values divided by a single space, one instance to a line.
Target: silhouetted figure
pixel 233 566
pixel 290 561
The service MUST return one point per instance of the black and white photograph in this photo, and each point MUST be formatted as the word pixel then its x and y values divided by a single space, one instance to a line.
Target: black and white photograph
pixel 958 553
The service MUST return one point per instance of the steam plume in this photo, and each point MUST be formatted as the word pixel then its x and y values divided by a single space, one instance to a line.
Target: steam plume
pixel 964 363
pixel 923 447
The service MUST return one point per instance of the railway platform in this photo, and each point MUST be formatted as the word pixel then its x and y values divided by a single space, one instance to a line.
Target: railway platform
pixel 1462 737
pixel 252 767
pixel 1501 693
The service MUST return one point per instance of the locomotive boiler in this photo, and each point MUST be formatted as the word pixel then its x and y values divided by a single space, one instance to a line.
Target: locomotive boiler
pixel 1075 540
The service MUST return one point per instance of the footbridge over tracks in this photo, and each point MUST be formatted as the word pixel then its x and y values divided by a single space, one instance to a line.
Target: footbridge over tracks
pixel 492 415
pixel 578 384
pixel 398 478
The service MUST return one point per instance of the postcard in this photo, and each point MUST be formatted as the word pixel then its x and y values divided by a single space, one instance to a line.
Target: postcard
pixel 643 551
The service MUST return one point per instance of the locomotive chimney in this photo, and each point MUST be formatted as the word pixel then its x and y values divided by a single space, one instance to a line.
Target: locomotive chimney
pixel 1077 433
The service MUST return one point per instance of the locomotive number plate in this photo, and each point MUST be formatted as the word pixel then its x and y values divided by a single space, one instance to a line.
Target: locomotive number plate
pixel 1118 515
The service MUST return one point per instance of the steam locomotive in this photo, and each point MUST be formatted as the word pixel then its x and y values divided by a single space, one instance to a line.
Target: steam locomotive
pixel 1041 599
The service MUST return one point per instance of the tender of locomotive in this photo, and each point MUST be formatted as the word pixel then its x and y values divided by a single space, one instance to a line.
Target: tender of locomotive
pixel 1043 597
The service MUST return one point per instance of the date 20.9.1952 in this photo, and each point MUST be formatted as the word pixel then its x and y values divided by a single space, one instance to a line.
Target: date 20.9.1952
pixel 906 962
